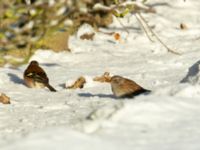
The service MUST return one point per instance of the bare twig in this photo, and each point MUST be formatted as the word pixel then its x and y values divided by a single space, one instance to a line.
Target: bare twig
pixel 136 10
pixel 144 28
pixel 153 34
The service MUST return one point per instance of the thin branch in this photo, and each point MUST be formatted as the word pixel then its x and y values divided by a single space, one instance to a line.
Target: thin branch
pixel 154 34
pixel 122 25
pixel 137 8
pixel 143 24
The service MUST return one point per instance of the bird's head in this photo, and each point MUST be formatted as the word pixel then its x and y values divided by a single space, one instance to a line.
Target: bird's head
pixel 34 62
pixel 116 79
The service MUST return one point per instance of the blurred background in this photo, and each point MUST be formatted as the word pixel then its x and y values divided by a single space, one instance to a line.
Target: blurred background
pixel 27 25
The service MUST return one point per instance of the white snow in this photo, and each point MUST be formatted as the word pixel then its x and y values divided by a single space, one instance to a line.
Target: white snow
pixel 91 118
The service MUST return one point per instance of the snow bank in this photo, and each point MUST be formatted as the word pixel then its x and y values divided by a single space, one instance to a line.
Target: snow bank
pixel 91 118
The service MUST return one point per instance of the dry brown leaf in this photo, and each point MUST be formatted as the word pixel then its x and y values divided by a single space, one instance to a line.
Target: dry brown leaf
pixel 4 99
pixel 104 78
pixel 183 26
pixel 117 36
pixel 79 83
pixel 87 36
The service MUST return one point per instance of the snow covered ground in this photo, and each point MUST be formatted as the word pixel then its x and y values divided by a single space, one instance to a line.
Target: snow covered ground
pixel 91 118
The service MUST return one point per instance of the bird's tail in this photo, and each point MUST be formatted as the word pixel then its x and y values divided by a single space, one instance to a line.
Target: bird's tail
pixel 50 88
pixel 147 91
pixel 142 91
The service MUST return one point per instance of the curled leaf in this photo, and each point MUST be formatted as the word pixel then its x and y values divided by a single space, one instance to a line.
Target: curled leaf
pixel 4 99
pixel 117 36
pixel 87 36
pixel 104 78
pixel 183 26
pixel 79 83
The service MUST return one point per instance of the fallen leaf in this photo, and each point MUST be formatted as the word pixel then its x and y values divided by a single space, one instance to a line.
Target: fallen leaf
pixel 104 78
pixel 87 36
pixel 4 99
pixel 183 26
pixel 79 83
pixel 117 36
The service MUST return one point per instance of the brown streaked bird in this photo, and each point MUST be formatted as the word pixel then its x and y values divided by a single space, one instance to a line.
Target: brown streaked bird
pixel 126 88
pixel 35 77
